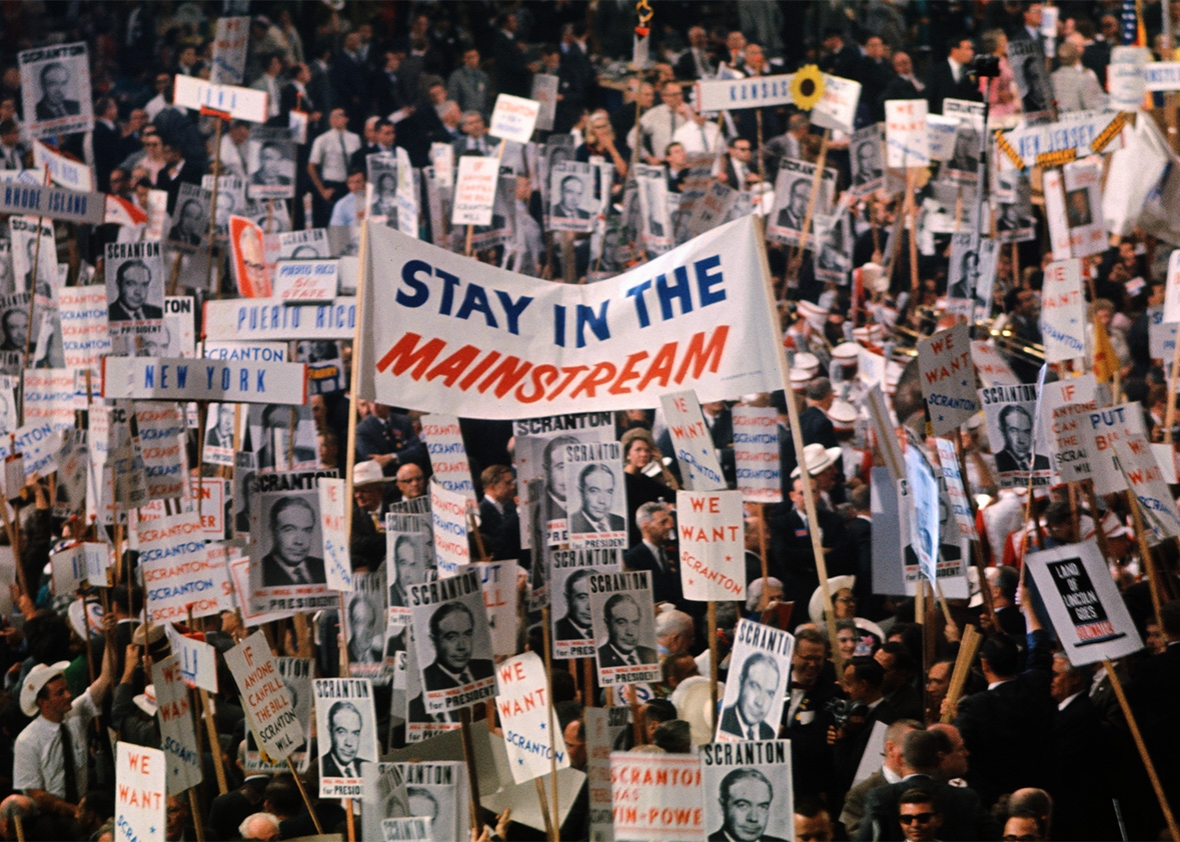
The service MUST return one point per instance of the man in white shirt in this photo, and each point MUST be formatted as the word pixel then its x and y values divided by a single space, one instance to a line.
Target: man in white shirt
pixel 659 125
pixel 698 135
pixel 233 149
pixel 350 210
pixel 327 165
pixel 49 755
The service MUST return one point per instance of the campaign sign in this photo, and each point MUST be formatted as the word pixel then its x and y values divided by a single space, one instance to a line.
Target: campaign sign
pixel 179 571
pixel 333 514
pixel 755 773
pixel 475 190
pixel 181 379
pixel 531 735
pixel 306 281
pixel 197 660
pixel 1146 480
pixel 448 455
pixel 269 708
pixel 755 448
pixel 1102 429
pixel 448 517
pixel 1089 616
pixel 736 94
pixel 248 320
pixel 1065 408
pixel 953 477
pixel 712 545
pixel 692 442
pixel 1063 317
pixel 346 722
pixel 140 793
pixel 948 378
pixel 514 118
pixel 240 103
pixel 906 141
pixel 178 737
pixel 657 797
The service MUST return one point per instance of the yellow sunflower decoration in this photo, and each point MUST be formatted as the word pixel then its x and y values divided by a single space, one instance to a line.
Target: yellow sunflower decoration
pixel 807 87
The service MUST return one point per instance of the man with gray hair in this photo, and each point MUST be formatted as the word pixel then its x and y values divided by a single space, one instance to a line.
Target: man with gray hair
pixel 655 526
pixel 674 632
pixel 263 827
pixel 1075 86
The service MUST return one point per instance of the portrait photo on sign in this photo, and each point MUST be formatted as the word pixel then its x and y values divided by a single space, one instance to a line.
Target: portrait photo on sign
pixel 572 620
pixel 270 163
pixel 792 193
pixel 382 179
pixel 55 88
pixel 543 458
pixel 1027 60
pixel 190 217
pixel 271 215
pixel 596 495
pixel 26 254
pixel 433 791
pixel 624 628
pixel 282 437
pixel 14 325
pixel 135 282
pixel 346 725
pixel 1014 218
pixel 364 626
pixel 244 499
pixel 220 423
pixel 572 202
pixel 453 648
pixel 834 233
pixel 758 673
pixel 865 156
pixel 289 540
pixel 311 244
pixel 1009 412
pixel 7 276
pixel 751 801
pixel 410 562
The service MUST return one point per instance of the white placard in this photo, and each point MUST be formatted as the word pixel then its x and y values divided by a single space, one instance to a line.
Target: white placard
pixel 140 793
pixel 948 378
pixel 197 660
pixel 692 442
pixel 180 379
pixel 836 109
pixel 513 118
pixel 306 281
pixel 333 515
pixel 1063 319
pixel 1089 616
pixel 268 705
pixel 179 572
pixel 448 455
pixel 755 451
pixel 960 505
pixel 448 510
pixel 736 94
pixel 1146 481
pixel 1065 408
pixel 1172 291
pixel 67 173
pixel 712 545
pixel 666 804
pixel 1161 76
pixel 531 734
pixel 475 190
pixel 240 103
pixel 178 737
pixel 230 41
pixel 906 141
pixel 1102 429
pixel 244 320
pixel 346 723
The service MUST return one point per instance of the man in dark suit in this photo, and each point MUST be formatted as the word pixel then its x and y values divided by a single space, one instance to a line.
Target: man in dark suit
pixel 53 102
pixel 344 729
pixel 757 694
pixel 951 77
pixel 290 562
pixel 499 522
pixel 746 797
pixel 1009 728
pixel 134 280
pixel 839 58
pixel 1017 428
pixel 228 811
pixel 576 625
pixel 655 525
pixel 903 84
pixel 178 170
pixel 790 545
pixel 367 543
pixel 964 817
pixel 1152 694
pixel 576 78
pixel 350 79
pixel 810 686
pixel 862 680
pixel 513 75
pixel 621 616
pixel 814 422
pixel 108 141
pixel 1081 758
pixel 385 135
pixel 695 63
pixel 389 439
pixel 451 632
pixel 596 487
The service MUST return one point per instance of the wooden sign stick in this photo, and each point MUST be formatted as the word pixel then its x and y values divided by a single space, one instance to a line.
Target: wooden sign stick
pixel 307 801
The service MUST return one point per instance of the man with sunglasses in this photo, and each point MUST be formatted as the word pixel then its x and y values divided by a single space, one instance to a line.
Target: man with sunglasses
pixel 919 819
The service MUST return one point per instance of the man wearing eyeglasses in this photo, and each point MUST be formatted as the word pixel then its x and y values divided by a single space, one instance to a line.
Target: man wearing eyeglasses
pixel 920 821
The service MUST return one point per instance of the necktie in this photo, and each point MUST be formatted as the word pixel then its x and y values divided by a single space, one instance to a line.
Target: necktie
pixel 704 138
pixel 299 577
pixel 68 763
pixel 662 559
pixel 343 151
pixel 750 733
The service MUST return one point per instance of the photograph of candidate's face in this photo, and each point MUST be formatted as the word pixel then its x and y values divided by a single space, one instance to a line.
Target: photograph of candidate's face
pixel 1017 427
pixel 746 797
pixel 453 636
pixel 345 724
pixel 597 490
pixel 15 325
pixel 623 625
pixel 577 597
pixel 759 680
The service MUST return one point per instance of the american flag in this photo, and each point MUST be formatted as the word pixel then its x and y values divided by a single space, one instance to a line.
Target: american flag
pixel 1131 32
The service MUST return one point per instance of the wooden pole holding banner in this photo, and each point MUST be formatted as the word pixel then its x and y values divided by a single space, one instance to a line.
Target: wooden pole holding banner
pixel 354 386
pixel 968 646
pixel 915 283
pixel 196 810
pixel 174 277
pixel 1153 580
pixel 764 600
pixel 213 207
pixel 817 549
pixel 1170 413
pixel 1117 685
pixel 469 759
pixel 20 827
pixel 816 180
pixel 550 834
pixel 214 745
pixel 713 654
pixel 547 643
pixel 307 801
pixel 35 272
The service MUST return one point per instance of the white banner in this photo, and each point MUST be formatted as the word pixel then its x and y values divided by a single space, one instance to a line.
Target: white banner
pixel 1146 481
pixel 52 202
pixel 39 443
pixel 333 514
pixel 180 379
pixel 755 453
pixel 736 94
pixel 531 735
pixel 712 545
pixel 140 797
pixel 179 572
pixel 948 378
pixel 1124 77
pixel 1161 76
pixel 268 705
pixel 178 737
pixel 85 332
pixel 699 466
pixel 657 797
pixel 240 103
pixel 487 343
pixel 243 320
pixel 1088 614
pixel 1063 320
pixel 514 118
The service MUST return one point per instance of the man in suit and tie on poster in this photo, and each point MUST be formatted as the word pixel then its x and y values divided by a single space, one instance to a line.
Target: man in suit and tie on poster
pixel 746 796
pixel 290 562
pixel 452 631
pixel 596 487
pixel 345 724
pixel 575 625
pixel 134 280
pixel 570 206
pixel 745 719
pixel 1017 428
pixel 622 617
pixel 53 103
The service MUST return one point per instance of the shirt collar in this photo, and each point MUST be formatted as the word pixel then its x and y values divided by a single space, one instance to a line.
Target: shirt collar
pixel 1065 703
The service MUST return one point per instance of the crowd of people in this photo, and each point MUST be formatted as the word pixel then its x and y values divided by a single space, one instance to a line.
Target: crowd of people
pixel 1031 747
